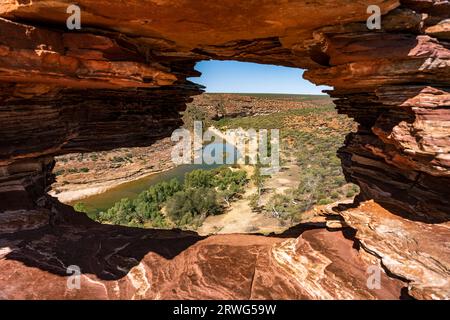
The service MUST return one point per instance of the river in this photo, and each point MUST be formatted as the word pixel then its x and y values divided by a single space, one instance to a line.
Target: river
pixel 130 190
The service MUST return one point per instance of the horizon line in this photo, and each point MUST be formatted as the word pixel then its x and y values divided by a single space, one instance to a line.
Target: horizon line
pixel 292 94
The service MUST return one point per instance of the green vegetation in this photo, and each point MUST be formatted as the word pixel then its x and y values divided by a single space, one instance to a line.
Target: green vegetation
pixel 192 206
pixel 199 179
pixel 80 207
pixel 72 170
pixel 282 96
pixel 229 183
pixel 272 121
pixel 194 113
pixel 310 137
pixel 203 193
pixel 145 210
pixel 60 172
pixel 117 159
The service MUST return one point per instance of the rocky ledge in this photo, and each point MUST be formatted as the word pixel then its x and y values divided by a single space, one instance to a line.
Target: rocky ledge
pixel 126 263
pixel 414 251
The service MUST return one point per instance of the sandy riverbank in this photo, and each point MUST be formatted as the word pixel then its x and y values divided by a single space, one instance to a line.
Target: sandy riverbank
pixel 79 176
pixel 109 170
pixel 83 191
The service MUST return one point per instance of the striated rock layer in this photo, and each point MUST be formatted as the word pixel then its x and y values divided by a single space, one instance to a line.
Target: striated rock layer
pixel 126 263
pixel 122 80
pixel 414 251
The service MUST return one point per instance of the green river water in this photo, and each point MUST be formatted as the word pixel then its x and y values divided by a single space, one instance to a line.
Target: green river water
pixel 130 190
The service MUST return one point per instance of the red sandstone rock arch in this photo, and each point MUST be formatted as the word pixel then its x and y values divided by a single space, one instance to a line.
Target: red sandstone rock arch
pixel 67 91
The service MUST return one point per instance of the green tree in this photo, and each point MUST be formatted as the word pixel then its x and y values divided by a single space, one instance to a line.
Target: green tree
pixel 192 203
pixel 258 181
pixel 229 182
pixel 80 207
pixel 123 213
pixel 199 179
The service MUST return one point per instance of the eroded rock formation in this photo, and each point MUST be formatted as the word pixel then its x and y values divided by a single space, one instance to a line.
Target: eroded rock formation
pixel 126 263
pixel 121 81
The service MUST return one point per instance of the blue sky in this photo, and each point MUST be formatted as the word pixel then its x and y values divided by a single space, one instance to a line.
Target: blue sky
pixel 244 77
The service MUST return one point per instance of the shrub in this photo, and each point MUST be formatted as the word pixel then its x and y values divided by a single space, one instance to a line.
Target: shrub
pixel 60 172
pixel 350 194
pixel 334 195
pixel 254 202
pixel 117 159
pixel 199 179
pixel 184 206
pixel 80 207
pixel 324 202
pixel 146 208
pixel 229 182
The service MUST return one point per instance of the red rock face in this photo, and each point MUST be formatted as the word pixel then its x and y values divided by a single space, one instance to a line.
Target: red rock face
pixel 410 250
pixel 121 81
pixel 126 263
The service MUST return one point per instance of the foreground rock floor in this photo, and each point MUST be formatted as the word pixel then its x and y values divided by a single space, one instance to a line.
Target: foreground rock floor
pixel 412 250
pixel 122 81
pixel 306 262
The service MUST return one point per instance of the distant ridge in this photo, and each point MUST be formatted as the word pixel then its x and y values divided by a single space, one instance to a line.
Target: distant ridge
pixel 276 95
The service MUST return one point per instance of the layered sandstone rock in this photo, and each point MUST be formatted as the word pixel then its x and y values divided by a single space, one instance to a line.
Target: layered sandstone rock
pixel 126 263
pixel 121 81
pixel 414 251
